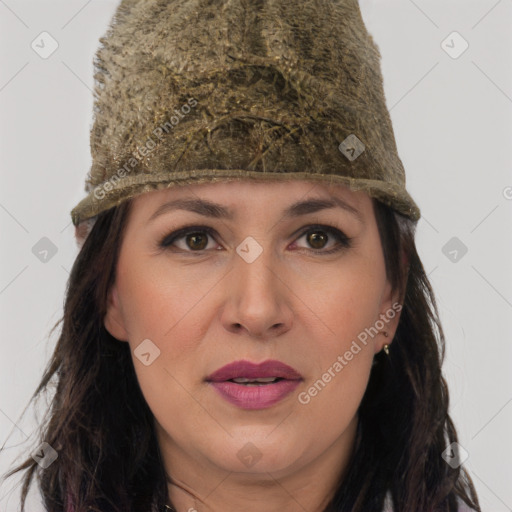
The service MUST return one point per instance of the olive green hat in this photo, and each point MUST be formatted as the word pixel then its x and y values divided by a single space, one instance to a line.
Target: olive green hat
pixel 190 91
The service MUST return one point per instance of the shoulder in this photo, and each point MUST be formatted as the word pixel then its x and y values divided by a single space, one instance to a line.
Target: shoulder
pixel 463 507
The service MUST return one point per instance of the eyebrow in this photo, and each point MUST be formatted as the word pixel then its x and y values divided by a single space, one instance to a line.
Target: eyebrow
pixel 217 211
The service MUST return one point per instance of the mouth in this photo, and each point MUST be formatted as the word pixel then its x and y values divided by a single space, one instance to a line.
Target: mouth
pixel 255 382
pixel 253 386
pixel 246 372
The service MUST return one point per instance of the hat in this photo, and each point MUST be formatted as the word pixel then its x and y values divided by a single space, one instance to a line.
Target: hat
pixel 191 92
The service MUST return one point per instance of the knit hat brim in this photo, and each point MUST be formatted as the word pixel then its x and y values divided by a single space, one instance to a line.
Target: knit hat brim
pixel 101 198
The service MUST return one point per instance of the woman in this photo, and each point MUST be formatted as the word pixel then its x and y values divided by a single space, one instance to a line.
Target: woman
pixel 262 336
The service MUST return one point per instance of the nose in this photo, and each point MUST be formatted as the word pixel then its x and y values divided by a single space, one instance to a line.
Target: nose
pixel 259 302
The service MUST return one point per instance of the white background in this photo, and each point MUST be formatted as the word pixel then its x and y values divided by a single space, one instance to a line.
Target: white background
pixel 453 126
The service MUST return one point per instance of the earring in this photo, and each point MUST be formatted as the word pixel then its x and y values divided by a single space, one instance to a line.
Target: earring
pixel 386 346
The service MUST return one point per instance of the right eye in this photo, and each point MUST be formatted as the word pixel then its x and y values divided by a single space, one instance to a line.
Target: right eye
pixel 196 238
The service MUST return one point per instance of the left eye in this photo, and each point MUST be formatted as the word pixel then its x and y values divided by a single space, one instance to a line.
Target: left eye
pixel 317 236
pixel 196 238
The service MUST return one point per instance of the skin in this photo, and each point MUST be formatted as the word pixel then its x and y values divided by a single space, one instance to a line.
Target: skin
pixel 204 308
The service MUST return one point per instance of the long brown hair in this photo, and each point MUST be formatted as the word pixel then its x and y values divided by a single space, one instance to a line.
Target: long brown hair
pixel 102 428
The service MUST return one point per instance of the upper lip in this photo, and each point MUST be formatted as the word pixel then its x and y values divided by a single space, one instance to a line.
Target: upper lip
pixel 249 370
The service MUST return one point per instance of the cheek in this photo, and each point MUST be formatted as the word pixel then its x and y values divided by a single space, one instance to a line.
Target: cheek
pixel 342 359
pixel 165 308
pixel 156 299
pixel 173 310
pixel 347 300
pixel 347 297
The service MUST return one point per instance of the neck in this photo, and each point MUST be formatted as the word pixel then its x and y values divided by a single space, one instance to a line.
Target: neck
pixel 200 486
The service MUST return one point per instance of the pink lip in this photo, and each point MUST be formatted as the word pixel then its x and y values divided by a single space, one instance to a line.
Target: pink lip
pixel 254 397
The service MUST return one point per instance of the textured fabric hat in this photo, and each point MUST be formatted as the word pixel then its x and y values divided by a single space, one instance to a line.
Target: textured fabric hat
pixel 194 91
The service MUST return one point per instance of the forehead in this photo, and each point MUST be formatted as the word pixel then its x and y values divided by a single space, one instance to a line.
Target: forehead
pixel 262 195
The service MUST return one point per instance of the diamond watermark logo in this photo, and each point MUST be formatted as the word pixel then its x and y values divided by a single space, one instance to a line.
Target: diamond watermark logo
pixel 249 455
pixel 351 147
pixel 44 455
pixel 249 250
pixel 454 249
pixel 44 250
pixel 44 45
pixel 455 455
pixel 454 45
pixel 147 352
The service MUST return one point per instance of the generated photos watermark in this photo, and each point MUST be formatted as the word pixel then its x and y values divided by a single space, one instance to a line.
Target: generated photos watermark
pixel 146 149
pixel 342 360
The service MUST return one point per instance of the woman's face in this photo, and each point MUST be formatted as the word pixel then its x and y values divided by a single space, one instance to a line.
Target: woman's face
pixel 261 276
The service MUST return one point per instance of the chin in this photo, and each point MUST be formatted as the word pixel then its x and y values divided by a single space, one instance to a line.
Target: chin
pixel 259 453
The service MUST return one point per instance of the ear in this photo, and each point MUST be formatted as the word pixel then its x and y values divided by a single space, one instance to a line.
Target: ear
pixel 114 320
pixel 390 312
pixel 82 231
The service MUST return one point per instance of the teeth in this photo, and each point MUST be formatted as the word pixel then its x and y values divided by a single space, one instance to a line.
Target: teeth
pixel 243 380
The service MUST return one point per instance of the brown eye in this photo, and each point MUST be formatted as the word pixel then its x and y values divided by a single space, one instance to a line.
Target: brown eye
pixel 193 239
pixel 197 241
pixel 317 237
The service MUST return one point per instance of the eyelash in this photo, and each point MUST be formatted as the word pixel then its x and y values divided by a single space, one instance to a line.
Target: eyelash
pixel 344 242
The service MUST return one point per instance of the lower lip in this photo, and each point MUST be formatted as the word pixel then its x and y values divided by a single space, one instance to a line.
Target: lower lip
pixel 255 397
